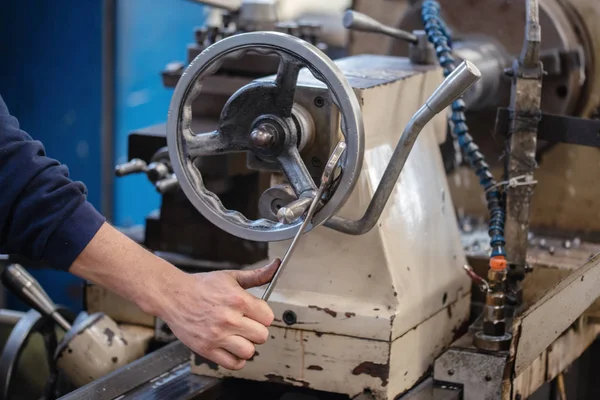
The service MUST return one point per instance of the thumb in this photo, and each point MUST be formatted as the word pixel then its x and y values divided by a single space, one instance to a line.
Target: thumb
pixel 256 277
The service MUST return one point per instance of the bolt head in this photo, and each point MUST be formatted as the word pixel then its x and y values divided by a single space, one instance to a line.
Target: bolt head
pixel 263 136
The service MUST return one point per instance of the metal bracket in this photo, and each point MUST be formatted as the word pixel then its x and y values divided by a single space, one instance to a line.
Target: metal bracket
pixel 556 128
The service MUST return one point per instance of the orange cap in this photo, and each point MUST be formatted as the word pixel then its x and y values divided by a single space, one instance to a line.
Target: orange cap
pixel 498 263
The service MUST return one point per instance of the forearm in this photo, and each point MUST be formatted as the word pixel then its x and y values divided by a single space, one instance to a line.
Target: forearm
pixel 114 261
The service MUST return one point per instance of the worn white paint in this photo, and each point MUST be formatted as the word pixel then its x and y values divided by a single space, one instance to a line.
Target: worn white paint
pixel 349 365
pixel 550 316
pixel 569 346
pixel 100 349
pixel 529 380
pixel 553 360
pixel 383 297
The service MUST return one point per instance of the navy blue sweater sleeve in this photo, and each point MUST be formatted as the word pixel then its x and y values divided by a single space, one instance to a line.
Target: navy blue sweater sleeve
pixel 44 215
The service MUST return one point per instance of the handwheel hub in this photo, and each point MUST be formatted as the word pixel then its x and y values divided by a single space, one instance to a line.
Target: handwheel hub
pixel 264 136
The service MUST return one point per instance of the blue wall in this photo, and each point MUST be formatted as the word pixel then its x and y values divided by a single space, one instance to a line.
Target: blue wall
pixel 50 77
pixel 150 34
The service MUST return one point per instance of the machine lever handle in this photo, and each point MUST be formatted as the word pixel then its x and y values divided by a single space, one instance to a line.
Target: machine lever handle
pixel 463 77
pixel 134 166
pixel 363 23
pixel 27 288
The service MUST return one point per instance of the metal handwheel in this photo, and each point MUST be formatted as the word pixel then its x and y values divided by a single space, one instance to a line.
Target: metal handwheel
pixel 259 118
pixel 32 323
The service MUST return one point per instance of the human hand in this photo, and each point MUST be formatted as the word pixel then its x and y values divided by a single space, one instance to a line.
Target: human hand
pixel 214 316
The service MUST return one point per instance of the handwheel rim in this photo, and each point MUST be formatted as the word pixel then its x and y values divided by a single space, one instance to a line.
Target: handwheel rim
pixel 206 202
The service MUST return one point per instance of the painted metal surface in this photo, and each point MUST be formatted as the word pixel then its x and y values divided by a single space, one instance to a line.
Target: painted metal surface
pixel 373 310
pixel 557 358
pixel 99 346
pixel 99 299
pixel 549 317
pixel 346 364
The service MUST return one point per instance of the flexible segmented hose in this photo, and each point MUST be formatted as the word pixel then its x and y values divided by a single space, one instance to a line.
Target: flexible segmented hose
pixel 439 36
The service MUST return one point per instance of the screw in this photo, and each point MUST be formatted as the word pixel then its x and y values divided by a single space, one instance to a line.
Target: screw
pixel 451 372
pixel 315 162
pixel 552 250
pixel 567 244
pixel 488 378
pixel 289 317
pixel 263 136
pixel 319 101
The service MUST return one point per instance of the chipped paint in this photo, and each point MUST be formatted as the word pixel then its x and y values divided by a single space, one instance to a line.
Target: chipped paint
pixel 375 370
pixel 256 354
pixel 318 296
pixel 273 378
pixel 315 368
pixel 325 310
pixel 110 335
pixel 350 314
pixel 199 360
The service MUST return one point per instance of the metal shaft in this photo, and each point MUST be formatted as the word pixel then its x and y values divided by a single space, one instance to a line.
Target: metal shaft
pixel 363 23
pixel 326 180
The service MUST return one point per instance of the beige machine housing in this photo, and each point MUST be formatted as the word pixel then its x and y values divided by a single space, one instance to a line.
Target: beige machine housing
pixel 373 311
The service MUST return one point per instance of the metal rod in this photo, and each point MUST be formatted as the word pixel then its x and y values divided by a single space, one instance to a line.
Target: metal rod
pixel 363 23
pixel 462 78
pixel 326 180
pixel 530 54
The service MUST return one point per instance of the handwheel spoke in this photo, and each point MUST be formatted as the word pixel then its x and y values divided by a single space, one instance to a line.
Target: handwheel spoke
pixel 287 78
pixel 211 144
pixel 296 171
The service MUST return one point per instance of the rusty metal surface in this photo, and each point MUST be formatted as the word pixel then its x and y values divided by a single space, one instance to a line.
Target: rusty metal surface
pixel 543 322
pixel 525 113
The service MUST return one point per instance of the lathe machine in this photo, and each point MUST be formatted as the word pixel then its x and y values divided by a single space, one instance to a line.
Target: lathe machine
pixel 424 266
